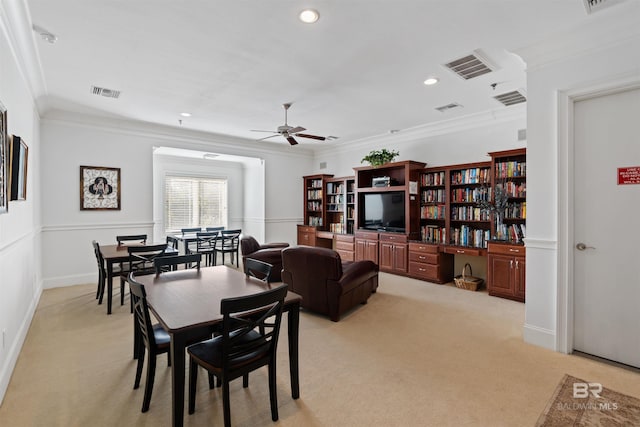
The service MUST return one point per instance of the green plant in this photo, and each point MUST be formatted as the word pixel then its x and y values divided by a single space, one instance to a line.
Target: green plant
pixel 380 157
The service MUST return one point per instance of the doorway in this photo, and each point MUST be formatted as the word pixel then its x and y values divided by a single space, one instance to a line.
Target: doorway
pixel 606 227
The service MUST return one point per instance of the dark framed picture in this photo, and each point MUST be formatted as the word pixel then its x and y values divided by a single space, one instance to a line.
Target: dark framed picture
pixel 99 188
pixel 18 171
pixel 4 161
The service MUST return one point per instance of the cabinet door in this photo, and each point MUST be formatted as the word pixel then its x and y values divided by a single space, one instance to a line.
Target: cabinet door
pixel 519 277
pixel 386 256
pixel 400 258
pixel 371 251
pixel 500 275
pixel 361 246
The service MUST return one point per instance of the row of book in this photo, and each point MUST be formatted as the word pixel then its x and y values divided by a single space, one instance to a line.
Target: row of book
pixel 314 194
pixel 433 178
pixel 516 211
pixel 513 233
pixel 432 212
pixel 514 189
pixel 315 221
pixel 467 236
pixel 511 169
pixel 335 188
pixel 433 234
pixel 334 208
pixel 335 199
pixel 471 195
pixel 315 183
pixel 469 213
pixel 433 196
pixel 471 176
pixel 313 205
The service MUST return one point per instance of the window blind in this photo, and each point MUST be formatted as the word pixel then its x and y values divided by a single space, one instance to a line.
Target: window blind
pixel 194 202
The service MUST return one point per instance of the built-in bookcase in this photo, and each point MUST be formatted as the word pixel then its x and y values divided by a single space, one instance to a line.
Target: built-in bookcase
pixel 314 208
pixel 340 204
pixel 510 173
pixel 433 206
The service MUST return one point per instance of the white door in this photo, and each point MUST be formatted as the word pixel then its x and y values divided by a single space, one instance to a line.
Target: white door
pixel 607 228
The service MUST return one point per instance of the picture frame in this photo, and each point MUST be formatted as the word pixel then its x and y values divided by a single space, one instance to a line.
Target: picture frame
pixel 18 170
pixel 99 188
pixel 4 161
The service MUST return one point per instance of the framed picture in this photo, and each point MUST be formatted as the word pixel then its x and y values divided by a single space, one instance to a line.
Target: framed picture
pixel 99 188
pixel 18 170
pixel 4 161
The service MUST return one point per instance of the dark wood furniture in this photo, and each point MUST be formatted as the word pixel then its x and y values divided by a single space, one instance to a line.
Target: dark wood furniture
pixel 205 245
pixel 270 253
pixel 244 345
pixel 506 271
pixel 170 263
pixel 228 242
pixel 428 262
pixel 340 204
pixel 141 261
pixel 345 246
pixel 140 239
pixel 393 252
pixel 151 337
pixel 366 245
pixel 186 303
pixel 258 269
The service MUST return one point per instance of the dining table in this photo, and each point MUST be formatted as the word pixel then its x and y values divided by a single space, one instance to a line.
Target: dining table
pixel 187 305
pixel 116 254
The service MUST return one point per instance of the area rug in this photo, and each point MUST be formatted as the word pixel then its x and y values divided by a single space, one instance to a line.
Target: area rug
pixel 579 403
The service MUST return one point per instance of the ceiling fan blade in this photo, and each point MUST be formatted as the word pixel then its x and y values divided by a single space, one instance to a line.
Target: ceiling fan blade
pixel 256 130
pixel 304 135
pixel 292 141
pixel 296 129
pixel 267 137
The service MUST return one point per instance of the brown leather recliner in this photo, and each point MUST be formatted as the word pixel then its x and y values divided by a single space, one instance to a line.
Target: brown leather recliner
pixel 326 284
pixel 270 253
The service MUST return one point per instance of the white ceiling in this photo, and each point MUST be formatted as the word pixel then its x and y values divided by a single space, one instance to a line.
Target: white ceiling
pixel 356 73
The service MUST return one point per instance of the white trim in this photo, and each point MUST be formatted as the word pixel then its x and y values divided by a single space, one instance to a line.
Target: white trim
pixel 69 280
pixel 283 220
pixel 7 245
pixel 14 351
pixel 539 336
pixel 540 243
pixel 566 209
pixel 102 226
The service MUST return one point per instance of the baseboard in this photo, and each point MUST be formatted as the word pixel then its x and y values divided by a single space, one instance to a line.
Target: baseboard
pixel 75 279
pixel 539 336
pixel 16 346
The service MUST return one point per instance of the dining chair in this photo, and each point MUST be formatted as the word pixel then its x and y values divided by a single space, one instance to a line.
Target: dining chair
pixel 173 243
pixel 141 262
pixel 228 242
pixel 102 272
pixel 214 228
pixel 246 344
pixel 205 245
pixel 137 238
pixel 188 248
pixel 190 230
pixel 169 263
pixel 258 269
pixel 150 337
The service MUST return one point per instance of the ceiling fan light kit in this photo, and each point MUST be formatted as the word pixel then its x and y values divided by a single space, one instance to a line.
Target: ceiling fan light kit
pixel 309 16
pixel 288 132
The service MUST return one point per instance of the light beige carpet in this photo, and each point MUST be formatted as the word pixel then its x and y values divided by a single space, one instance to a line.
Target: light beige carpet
pixel 578 403
pixel 418 354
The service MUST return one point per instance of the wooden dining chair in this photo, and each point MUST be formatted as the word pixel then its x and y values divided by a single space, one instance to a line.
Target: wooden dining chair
pixel 205 245
pixel 188 246
pixel 148 336
pixel 228 243
pixel 170 263
pixel 141 262
pixel 173 243
pixel 245 345
pixel 102 271
pixel 214 228
pixel 135 238
pixel 258 269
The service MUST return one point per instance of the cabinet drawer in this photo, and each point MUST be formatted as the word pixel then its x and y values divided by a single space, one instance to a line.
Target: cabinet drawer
pixel 423 247
pixel 515 250
pixel 399 238
pixel 459 250
pixel 366 235
pixel 423 271
pixel 424 257
pixel 344 246
pixel 344 238
pixel 346 255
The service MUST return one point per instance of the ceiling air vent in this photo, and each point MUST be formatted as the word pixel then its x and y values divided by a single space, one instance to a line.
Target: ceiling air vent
pixel 511 98
pixel 469 66
pixel 448 107
pixel 108 93
pixel 597 5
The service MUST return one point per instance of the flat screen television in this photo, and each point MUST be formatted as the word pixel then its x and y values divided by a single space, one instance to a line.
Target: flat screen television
pixel 383 211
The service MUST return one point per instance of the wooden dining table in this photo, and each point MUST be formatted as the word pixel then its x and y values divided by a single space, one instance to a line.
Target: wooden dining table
pixel 116 254
pixel 187 305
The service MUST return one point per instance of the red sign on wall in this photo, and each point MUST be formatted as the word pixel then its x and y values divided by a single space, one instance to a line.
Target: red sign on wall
pixel 630 175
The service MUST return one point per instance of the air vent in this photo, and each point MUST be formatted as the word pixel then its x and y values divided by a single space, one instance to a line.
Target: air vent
pixel 469 67
pixel 597 5
pixel 448 107
pixel 108 93
pixel 511 98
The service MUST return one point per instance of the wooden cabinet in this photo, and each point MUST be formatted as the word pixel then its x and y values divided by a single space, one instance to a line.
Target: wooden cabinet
pixel 314 207
pixel 510 178
pixel 345 246
pixel 426 262
pixel 506 271
pixel 306 235
pixel 393 253
pixel 366 245
pixel 340 204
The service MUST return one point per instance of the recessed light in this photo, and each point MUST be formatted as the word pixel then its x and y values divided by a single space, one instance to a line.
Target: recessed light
pixel 185 114
pixel 431 81
pixel 309 16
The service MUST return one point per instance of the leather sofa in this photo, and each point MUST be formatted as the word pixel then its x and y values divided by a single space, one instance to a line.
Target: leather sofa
pixel 328 285
pixel 270 253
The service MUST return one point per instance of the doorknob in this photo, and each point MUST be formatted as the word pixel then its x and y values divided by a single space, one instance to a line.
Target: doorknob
pixel 582 247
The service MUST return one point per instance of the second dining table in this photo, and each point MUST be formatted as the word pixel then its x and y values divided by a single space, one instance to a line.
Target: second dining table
pixel 187 305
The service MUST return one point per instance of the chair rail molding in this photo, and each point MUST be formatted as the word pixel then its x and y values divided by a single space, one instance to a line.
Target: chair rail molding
pixel 101 226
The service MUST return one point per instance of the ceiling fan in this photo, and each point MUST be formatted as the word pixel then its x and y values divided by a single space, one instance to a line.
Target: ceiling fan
pixel 289 131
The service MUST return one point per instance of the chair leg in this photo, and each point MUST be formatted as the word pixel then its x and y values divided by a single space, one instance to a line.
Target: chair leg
pixel 273 391
pixel 169 358
pixel 148 388
pixel 212 381
pixel 193 380
pixel 136 383
pixel 121 290
pixel 245 380
pixel 225 403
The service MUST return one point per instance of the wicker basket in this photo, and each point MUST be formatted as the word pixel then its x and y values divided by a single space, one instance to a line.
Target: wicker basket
pixel 467 281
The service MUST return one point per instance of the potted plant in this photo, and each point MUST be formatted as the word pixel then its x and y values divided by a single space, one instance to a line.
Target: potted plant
pixel 379 157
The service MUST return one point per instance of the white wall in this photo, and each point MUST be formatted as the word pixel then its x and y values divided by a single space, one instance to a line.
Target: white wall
pixel 71 140
pixel 20 286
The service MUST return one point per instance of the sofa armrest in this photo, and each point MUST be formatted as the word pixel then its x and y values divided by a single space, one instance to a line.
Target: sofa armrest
pixel 354 273
pixel 274 245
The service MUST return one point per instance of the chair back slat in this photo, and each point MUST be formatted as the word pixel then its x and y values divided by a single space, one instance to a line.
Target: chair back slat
pixel 166 263
pixel 190 230
pixel 258 269
pixel 138 238
pixel 141 257
pixel 141 311
pixel 214 228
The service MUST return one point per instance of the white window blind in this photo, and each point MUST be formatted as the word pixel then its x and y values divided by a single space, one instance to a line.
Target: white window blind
pixel 194 202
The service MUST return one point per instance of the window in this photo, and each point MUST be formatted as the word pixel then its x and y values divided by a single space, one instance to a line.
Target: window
pixel 194 202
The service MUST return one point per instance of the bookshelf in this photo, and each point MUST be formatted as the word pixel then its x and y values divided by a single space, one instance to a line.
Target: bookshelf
pixel 340 204
pixel 433 206
pixel 314 209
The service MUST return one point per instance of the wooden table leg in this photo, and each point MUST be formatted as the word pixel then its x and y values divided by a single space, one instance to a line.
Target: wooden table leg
pixel 293 328
pixel 178 344
pixel 109 286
